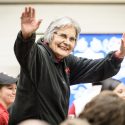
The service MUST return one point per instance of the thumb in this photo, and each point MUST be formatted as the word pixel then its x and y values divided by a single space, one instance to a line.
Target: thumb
pixel 39 22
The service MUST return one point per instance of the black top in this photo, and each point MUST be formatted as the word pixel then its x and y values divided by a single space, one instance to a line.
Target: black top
pixel 44 87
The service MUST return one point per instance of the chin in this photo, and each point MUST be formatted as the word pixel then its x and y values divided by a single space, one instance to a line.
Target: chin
pixel 61 56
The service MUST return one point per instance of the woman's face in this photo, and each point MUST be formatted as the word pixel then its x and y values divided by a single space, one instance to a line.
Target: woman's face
pixel 64 41
pixel 7 93
pixel 120 90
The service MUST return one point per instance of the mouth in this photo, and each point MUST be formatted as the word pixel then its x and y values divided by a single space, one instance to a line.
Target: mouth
pixel 63 48
pixel 12 97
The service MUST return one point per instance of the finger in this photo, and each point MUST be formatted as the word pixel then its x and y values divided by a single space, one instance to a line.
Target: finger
pixel 123 36
pixel 122 48
pixel 30 12
pixel 23 15
pixel 123 39
pixel 123 42
pixel 39 22
pixel 33 13
pixel 26 12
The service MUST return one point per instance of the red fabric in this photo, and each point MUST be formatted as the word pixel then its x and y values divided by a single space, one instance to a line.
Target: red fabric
pixel 4 115
pixel 72 110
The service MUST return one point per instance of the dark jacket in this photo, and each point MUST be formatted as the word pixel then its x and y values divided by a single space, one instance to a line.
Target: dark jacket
pixel 44 85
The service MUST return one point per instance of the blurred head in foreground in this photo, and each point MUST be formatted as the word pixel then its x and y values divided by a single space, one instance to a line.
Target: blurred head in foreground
pixel 33 122
pixel 107 108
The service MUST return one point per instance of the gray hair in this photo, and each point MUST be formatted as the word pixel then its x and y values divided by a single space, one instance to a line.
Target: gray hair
pixel 59 23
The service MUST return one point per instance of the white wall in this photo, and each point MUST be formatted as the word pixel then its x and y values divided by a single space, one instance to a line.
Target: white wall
pixel 93 18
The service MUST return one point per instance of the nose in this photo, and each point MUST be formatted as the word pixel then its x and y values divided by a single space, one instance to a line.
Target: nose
pixel 14 91
pixel 67 41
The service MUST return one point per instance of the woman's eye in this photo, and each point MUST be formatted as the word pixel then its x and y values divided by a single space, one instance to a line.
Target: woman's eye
pixel 72 39
pixel 63 35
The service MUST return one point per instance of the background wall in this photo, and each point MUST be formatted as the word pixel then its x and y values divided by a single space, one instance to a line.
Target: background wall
pixel 93 18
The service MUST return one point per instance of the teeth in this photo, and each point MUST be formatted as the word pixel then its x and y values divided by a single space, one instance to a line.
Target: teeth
pixel 64 48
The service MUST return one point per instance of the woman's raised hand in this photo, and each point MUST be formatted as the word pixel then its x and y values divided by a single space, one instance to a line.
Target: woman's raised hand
pixel 28 22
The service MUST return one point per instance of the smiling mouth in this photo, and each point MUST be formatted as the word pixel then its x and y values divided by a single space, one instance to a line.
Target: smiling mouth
pixel 12 96
pixel 63 48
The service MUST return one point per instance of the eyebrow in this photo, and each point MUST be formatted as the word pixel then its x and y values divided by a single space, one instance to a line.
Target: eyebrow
pixel 66 35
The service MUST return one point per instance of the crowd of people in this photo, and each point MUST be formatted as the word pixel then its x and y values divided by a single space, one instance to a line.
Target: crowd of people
pixel 47 69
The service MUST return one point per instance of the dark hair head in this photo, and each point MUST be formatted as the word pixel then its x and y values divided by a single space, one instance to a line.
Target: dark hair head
pixel 108 84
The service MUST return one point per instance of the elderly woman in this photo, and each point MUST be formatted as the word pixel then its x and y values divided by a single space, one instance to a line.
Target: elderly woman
pixel 48 69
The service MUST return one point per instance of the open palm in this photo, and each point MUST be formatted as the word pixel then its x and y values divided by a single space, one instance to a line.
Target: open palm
pixel 28 22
